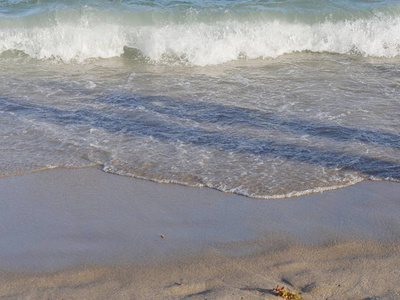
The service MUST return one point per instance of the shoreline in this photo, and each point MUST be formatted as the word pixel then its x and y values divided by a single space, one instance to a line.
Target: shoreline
pixel 149 179
pixel 84 232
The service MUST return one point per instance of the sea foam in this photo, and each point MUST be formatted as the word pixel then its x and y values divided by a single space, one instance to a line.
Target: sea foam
pixel 199 43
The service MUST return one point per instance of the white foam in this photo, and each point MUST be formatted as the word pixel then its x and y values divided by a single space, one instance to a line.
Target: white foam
pixel 65 42
pixel 203 44
pixel 237 190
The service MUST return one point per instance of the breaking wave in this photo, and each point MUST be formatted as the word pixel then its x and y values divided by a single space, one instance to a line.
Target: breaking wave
pixel 78 36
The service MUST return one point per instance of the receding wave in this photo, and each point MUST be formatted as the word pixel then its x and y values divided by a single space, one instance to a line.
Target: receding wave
pixel 198 43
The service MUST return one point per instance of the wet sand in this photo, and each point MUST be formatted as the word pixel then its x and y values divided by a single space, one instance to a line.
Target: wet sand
pixel 85 234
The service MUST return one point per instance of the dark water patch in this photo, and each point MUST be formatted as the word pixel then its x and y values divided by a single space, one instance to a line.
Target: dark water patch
pixel 139 123
pixel 207 112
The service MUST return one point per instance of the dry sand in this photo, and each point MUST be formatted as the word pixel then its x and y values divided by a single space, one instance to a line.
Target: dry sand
pixel 85 234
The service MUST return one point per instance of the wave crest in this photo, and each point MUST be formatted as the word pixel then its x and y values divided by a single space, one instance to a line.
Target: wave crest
pixel 203 43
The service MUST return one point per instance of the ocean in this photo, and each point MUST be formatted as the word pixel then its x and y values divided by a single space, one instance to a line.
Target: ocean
pixel 267 99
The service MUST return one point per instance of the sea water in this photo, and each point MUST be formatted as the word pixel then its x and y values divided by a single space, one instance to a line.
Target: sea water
pixel 264 98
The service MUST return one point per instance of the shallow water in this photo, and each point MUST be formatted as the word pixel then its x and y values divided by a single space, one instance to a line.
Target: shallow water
pixel 266 99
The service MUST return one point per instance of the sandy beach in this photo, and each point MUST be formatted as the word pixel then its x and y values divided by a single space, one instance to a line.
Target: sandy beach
pixel 200 149
pixel 86 234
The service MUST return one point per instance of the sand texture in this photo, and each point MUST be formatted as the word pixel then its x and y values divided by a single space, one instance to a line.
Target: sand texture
pixel 85 234
pixel 345 271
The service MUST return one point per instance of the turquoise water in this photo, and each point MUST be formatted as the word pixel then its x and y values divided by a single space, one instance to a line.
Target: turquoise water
pixel 267 99
pixel 198 32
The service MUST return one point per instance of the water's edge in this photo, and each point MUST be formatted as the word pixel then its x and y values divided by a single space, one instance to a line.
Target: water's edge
pixel 136 177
